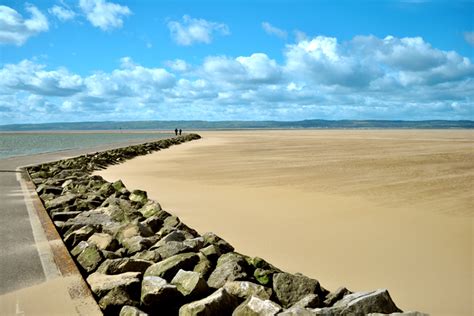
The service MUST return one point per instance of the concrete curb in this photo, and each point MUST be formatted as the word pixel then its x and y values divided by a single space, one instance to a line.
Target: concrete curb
pixel 79 291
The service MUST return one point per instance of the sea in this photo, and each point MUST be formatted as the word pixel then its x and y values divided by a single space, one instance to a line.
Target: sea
pixel 14 144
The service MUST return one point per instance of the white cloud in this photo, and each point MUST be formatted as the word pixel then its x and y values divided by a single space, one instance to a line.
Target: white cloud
pixel 190 30
pixel 104 15
pixel 14 29
pixel 320 77
pixel 469 37
pixel 178 65
pixel 257 68
pixel 62 13
pixel 272 30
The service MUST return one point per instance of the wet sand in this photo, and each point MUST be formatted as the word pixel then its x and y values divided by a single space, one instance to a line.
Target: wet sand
pixel 364 209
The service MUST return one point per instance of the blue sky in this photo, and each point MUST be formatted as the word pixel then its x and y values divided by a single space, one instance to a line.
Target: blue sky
pixel 91 60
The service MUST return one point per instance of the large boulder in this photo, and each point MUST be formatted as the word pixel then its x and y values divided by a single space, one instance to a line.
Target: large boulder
pixel 230 266
pixel 131 311
pixel 335 296
pixel 190 284
pixel 73 238
pixel 362 303
pixel 309 301
pixel 61 201
pixel 139 197
pixel 159 293
pixel 121 265
pixel 168 268
pixel 218 303
pixel 290 288
pixel 101 283
pixel 255 306
pixel 112 302
pixel 213 239
pixel 151 208
pixel 90 258
pixel 246 289
pixel 103 241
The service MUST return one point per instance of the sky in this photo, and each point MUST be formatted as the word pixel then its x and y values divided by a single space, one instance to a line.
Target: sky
pixel 100 60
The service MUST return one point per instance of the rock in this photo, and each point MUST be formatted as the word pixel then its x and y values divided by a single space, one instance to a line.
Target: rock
pixel 118 186
pixel 255 306
pixel 171 221
pixel 149 255
pixel 211 252
pixel 171 248
pixel 300 311
pixel 168 268
pixel 151 208
pixel 378 301
pixel 131 311
pixel 103 241
pixel 66 183
pixel 121 265
pixel 204 266
pixel 218 303
pixel 336 296
pixel 190 284
pixel 290 288
pixel 90 258
pixel 175 235
pixel 157 292
pixel 154 223
pixel 110 254
pixel 245 289
pixel 230 266
pixel 309 301
pixel 76 251
pixel 95 218
pixel 81 234
pixel 113 301
pixel 61 201
pixel 138 196
pixel 106 189
pixel 264 271
pixel 64 216
pixel 102 283
pixel 136 244
pixel 213 239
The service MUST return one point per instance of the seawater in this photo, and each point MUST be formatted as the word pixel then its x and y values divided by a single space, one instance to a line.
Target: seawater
pixel 20 144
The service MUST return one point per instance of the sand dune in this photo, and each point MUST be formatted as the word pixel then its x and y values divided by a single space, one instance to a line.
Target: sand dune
pixel 364 209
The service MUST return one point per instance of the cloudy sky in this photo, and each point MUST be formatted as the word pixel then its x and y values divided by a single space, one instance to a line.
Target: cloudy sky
pixel 95 60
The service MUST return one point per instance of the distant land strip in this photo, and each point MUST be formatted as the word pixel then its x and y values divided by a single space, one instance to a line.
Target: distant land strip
pixel 197 125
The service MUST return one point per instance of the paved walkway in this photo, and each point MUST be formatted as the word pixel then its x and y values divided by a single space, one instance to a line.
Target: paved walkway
pixel 25 260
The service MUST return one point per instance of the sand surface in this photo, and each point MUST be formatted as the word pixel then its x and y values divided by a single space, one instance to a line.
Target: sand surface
pixel 363 209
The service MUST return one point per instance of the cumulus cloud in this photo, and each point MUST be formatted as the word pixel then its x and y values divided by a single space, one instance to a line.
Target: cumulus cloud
pixel 104 15
pixel 272 30
pixel 190 30
pixel 320 77
pixel 255 69
pixel 15 29
pixel 469 37
pixel 62 13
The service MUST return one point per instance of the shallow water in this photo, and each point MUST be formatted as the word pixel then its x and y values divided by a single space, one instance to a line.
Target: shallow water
pixel 20 144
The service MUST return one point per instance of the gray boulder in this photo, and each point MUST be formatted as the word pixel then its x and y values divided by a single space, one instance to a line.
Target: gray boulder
pixel 309 301
pixel 101 283
pixel 139 197
pixel 157 292
pixel 255 306
pixel 230 266
pixel 90 258
pixel 61 201
pixel 103 241
pixel 73 238
pixel 131 311
pixel 246 289
pixel 190 284
pixel 290 288
pixel 378 301
pixel 335 296
pixel 213 239
pixel 151 208
pixel 113 301
pixel 121 265
pixel 204 266
pixel 218 303
pixel 168 268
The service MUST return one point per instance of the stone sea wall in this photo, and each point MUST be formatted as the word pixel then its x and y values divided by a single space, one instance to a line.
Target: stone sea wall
pixel 138 259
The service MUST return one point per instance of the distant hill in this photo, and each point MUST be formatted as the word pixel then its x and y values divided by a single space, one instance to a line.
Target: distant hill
pixel 196 125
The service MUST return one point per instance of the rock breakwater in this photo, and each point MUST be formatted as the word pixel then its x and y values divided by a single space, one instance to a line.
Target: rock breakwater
pixel 138 259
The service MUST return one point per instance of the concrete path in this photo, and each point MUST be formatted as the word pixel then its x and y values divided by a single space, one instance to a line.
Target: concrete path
pixel 25 258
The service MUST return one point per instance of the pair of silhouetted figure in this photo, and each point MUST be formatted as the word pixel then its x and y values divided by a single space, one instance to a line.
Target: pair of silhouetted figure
pixel 176 131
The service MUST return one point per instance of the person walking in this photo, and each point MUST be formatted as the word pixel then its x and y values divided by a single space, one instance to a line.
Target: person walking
pixel 180 131
pixel 176 131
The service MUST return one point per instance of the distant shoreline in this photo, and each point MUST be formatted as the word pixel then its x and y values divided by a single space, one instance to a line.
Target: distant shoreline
pixel 240 125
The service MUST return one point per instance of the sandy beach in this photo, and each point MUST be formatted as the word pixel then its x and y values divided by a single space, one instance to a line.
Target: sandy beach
pixel 362 209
